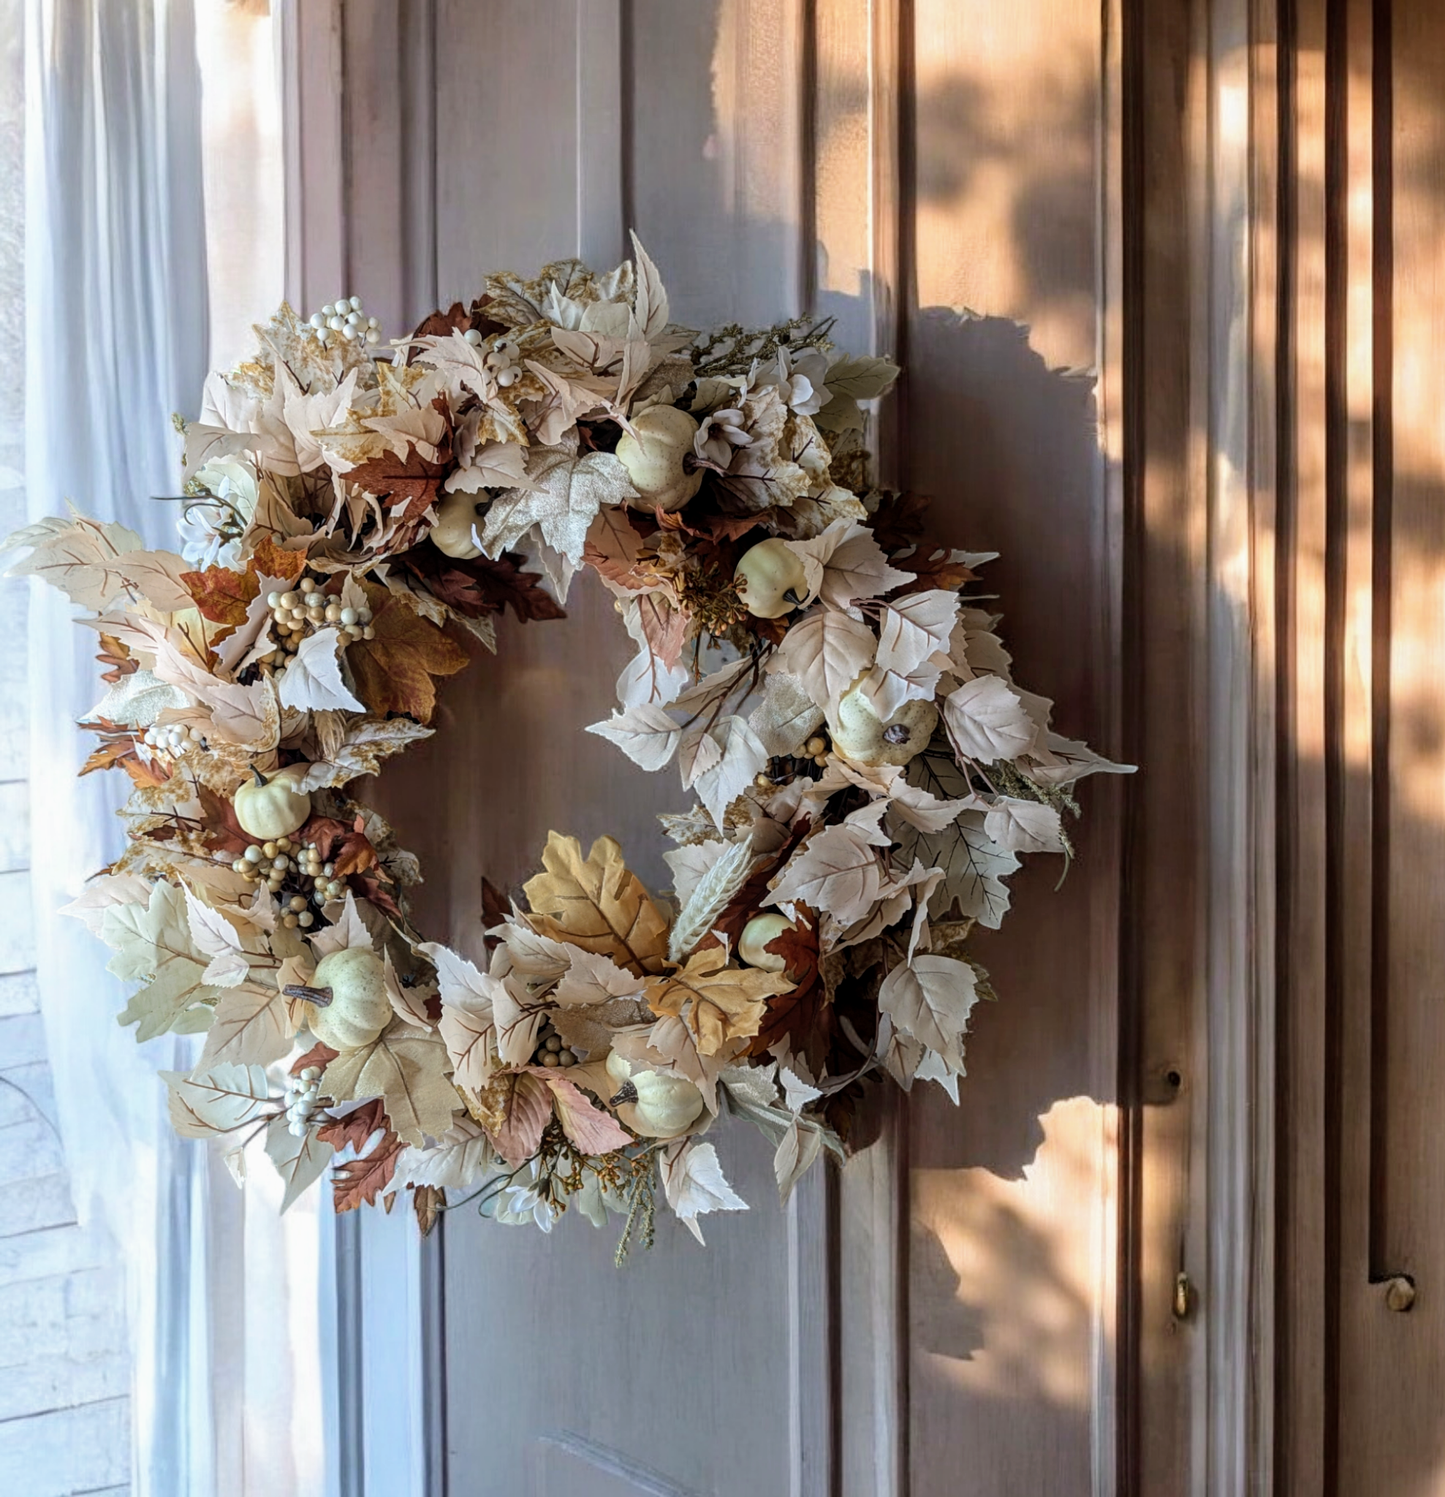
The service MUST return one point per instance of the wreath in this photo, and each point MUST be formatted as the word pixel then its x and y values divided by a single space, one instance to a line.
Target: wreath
pixel 865 771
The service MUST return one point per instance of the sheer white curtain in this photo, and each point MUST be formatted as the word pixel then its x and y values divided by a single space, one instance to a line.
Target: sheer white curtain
pixel 222 1297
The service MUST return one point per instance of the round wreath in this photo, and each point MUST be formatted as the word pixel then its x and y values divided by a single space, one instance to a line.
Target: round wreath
pixel 866 772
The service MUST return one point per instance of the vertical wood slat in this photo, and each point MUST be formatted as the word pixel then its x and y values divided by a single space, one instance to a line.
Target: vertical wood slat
pixel 1160 1068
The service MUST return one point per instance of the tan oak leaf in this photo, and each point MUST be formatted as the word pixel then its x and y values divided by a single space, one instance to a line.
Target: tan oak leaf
pixel 718 1003
pixel 597 903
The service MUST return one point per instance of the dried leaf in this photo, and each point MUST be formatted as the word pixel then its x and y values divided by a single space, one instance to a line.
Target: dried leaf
pixel 299 1161
pixel 694 1184
pixel 483 585
pixel 223 596
pixel 394 672
pixel 597 904
pixel 216 1099
pixel 718 1003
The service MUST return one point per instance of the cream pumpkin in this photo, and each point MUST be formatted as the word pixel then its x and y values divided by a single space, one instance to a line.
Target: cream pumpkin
pixel 354 981
pixel 771 580
pixel 653 1103
pixel 454 531
pixel 868 739
pixel 753 943
pixel 271 806
pixel 655 458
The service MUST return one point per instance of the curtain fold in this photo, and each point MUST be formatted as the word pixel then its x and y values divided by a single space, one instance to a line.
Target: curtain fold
pixel 221 1296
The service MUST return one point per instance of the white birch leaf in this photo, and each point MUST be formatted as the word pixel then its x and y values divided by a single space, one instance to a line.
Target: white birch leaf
pixel 986 721
pixel 217 1099
pixel 299 1161
pixel 930 998
pixel 312 680
pixel 694 1184
pixel 827 652
pixel 645 733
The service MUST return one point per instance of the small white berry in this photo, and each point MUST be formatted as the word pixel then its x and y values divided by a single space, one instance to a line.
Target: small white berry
pixel 355 303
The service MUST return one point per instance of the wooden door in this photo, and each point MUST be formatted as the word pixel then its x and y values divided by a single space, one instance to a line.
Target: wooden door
pixel 943 1314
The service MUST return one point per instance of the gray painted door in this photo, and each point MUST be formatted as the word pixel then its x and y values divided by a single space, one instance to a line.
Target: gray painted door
pixel 938 1316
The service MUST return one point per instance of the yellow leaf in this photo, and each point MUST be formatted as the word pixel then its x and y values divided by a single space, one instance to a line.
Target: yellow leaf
pixel 718 1003
pixel 597 904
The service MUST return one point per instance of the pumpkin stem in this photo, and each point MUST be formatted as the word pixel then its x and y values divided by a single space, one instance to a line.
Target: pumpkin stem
pixel 260 778
pixel 321 997
pixel 627 1094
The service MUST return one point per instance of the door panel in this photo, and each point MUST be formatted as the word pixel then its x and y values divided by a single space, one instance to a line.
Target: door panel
pixel 945 1302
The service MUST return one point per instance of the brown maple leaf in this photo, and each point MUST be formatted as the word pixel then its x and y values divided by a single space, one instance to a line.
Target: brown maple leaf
pixel 370 887
pixel 359 1181
pixel 117 751
pixel 320 1054
pixel 115 654
pixel 411 482
pixel 394 673
pixel 221 830
pixel 356 1126
pixel 931 568
pixel 898 520
pixel 457 318
pixel 496 907
pixel 803 1016
pixel 728 527
pixel 480 586
pixel 223 596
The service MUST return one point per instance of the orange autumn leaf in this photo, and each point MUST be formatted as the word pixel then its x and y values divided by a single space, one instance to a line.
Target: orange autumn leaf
pixel 271 560
pixel 222 595
pixel 395 671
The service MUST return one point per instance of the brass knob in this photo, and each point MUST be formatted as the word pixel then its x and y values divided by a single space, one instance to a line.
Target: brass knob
pixel 1399 1293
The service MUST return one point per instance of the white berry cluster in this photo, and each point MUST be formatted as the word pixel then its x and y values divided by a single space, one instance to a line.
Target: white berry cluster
pixel 346 318
pixel 323 875
pixel 287 861
pixel 296 613
pixel 174 739
pixel 302 1094
pixel 501 361
pixel 550 1050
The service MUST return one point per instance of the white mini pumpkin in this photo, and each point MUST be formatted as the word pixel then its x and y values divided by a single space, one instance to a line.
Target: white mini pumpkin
pixel 867 739
pixel 654 458
pixel 453 533
pixel 653 1103
pixel 753 943
pixel 359 1009
pixel 271 806
pixel 771 579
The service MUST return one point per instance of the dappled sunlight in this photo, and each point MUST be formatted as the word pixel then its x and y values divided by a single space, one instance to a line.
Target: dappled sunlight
pixel 1007 176
pixel 1006 1272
